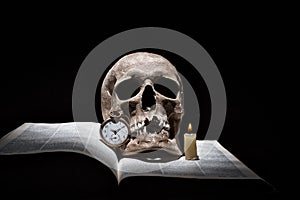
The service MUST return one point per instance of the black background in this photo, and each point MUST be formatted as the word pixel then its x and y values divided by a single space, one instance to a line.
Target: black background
pixel 40 59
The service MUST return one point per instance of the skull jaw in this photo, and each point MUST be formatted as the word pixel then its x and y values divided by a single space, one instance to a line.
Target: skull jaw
pixel 152 143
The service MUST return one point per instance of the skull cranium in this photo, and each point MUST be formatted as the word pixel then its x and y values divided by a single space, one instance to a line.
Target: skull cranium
pixel 146 90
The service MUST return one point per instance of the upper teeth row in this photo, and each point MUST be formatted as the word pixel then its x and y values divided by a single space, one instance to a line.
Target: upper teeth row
pixel 140 127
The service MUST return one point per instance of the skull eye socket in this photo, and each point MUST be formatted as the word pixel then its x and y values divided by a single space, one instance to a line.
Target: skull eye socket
pixel 167 87
pixel 127 89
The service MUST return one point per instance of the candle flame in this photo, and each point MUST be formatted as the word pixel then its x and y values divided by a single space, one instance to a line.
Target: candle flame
pixel 190 127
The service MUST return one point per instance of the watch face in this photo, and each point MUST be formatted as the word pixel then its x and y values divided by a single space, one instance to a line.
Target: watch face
pixel 114 132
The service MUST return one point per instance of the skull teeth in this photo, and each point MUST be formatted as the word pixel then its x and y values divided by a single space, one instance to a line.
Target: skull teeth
pixel 167 126
pixel 142 128
pixel 135 125
pixel 140 124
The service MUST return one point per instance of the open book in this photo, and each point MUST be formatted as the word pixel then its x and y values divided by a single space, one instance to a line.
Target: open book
pixel 214 162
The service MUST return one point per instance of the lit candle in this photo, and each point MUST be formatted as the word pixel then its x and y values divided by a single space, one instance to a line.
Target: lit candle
pixel 190 148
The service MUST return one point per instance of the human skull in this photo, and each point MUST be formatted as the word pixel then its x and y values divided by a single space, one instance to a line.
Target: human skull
pixel 146 90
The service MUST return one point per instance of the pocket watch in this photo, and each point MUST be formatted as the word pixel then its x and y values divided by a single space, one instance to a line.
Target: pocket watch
pixel 114 132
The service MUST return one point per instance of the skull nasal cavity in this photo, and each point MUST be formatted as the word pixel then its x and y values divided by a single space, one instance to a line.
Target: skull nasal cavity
pixel 148 98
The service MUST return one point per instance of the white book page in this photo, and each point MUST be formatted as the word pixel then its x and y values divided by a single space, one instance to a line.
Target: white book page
pixel 215 162
pixel 79 137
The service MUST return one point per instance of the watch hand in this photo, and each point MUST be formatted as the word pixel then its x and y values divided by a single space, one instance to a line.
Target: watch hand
pixel 119 129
